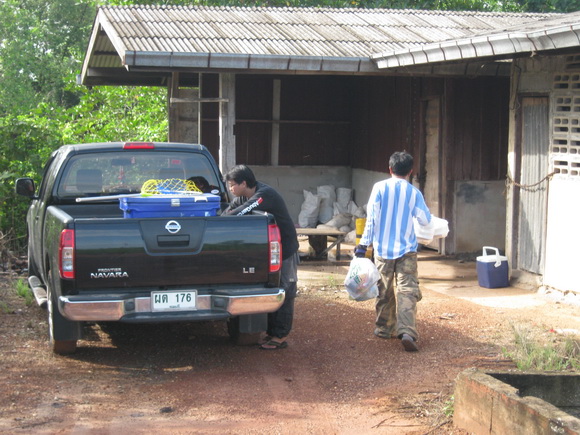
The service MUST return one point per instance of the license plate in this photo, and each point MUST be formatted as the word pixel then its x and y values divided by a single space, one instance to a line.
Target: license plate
pixel 173 300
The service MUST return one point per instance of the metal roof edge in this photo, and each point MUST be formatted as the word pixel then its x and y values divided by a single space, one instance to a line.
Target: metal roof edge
pixel 89 52
pixel 247 62
pixel 495 45
pixel 111 34
pixel 101 21
pixel 326 9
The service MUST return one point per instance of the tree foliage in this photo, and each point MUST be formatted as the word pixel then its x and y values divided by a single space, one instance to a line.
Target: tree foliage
pixel 42 42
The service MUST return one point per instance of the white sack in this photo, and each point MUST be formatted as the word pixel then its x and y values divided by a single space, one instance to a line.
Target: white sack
pixel 350 238
pixel 354 209
pixel 340 220
pixel 327 196
pixel 308 217
pixel 360 212
pixel 343 195
pixel 350 208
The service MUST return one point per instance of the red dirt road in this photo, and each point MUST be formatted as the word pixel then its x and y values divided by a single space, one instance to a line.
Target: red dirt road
pixel 335 377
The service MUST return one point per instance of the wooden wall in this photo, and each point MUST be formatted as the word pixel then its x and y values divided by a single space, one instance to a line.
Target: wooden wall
pixel 477 118
pixel 360 121
pixel 388 118
pixel 385 120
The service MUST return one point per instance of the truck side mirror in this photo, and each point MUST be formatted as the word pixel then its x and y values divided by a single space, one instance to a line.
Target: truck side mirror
pixel 25 187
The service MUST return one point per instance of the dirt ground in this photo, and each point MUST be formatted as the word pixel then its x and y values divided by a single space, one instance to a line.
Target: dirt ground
pixel 335 377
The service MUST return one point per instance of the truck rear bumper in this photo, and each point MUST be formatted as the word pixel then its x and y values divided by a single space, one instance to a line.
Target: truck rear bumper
pixel 134 309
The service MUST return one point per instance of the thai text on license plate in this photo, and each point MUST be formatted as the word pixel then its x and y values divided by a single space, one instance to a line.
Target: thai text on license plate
pixel 173 300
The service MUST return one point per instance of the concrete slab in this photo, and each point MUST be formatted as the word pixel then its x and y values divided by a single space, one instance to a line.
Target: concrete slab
pixel 441 274
pixel 517 403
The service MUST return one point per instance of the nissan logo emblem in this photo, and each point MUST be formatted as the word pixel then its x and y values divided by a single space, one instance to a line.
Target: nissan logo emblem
pixel 173 227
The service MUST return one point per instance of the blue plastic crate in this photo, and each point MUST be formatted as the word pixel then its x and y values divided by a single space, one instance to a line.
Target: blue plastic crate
pixel 165 206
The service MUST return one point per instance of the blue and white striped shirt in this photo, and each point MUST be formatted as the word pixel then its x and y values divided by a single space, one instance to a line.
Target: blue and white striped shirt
pixel 392 205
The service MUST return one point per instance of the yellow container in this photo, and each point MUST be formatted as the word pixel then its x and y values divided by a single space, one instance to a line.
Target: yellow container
pixel 360 228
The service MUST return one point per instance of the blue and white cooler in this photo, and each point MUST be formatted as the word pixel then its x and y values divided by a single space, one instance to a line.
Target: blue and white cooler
pixel 492 269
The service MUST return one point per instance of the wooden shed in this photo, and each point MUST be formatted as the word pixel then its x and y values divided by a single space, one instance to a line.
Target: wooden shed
pixel 304 97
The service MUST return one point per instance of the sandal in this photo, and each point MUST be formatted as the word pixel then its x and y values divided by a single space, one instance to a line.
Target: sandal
pixel 274 345
pixel 265 339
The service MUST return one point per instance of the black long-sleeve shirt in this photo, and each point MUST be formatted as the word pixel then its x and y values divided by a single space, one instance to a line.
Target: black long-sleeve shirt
pixel 269 200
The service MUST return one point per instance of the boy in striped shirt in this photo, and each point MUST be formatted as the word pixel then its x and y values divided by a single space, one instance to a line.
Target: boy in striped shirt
pixel 389 228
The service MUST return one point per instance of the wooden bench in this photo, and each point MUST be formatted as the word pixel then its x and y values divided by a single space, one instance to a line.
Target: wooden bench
pixel 318 240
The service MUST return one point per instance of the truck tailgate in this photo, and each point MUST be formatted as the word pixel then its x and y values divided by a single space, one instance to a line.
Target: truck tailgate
pixel 171 251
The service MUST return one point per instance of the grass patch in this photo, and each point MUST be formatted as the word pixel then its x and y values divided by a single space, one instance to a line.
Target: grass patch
pixel 531 352
pixel 21 288
pixel 435 409
pixel 4 308
pixel 333 282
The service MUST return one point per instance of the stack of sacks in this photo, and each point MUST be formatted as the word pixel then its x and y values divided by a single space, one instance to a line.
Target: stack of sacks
pixel 331 208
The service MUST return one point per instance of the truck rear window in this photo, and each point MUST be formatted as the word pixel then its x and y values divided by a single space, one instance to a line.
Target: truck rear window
pixel 113 173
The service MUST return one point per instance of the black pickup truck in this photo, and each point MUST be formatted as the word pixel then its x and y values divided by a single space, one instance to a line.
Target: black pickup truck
pixel 92 260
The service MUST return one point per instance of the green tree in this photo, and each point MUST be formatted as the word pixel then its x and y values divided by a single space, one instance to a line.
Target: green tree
pixel 551 5
pixel 42 42
pixel 102 115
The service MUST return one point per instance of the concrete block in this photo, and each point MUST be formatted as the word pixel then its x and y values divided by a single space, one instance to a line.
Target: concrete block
pixel 515 403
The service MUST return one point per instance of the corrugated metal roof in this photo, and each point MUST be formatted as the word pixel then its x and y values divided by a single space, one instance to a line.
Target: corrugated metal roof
pixel 559 32
pixel 158 37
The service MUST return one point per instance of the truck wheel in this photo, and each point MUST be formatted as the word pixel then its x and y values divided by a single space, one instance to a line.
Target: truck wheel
pixel 242 338
pixel 59 326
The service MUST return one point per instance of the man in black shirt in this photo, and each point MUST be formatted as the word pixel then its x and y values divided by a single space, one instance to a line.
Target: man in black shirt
pixel 253 195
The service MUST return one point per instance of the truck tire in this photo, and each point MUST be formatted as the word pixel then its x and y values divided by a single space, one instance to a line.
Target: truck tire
pixel 240 338
pixel 61 332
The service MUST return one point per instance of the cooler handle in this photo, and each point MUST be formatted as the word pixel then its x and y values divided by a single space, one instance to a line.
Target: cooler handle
pixel 497 259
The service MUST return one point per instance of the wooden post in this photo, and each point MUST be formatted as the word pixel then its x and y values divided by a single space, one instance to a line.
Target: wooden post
pixel 276 124
pixel 227 151
pixel 172 91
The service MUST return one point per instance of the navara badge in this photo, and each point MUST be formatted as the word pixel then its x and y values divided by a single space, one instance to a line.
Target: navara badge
pixel 173 227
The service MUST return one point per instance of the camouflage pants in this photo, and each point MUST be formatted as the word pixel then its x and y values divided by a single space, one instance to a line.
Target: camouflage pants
pixel 399 293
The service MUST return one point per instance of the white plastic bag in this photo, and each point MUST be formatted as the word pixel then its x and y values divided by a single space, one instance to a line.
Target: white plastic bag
pixel 424 233
pixel 436 229
pixel 361 279
pixel 440 227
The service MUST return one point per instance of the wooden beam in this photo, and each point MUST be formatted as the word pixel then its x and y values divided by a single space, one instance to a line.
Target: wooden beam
pixel 175 100
pixel 227 116
pixel 274 146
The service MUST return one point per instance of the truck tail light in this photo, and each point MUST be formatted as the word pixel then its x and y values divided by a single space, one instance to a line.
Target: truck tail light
pixel 138 146
pixel 275 243
pixel 66 254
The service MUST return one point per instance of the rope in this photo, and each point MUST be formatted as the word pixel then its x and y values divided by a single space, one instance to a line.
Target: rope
pixel 530 187
pixel 169 186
